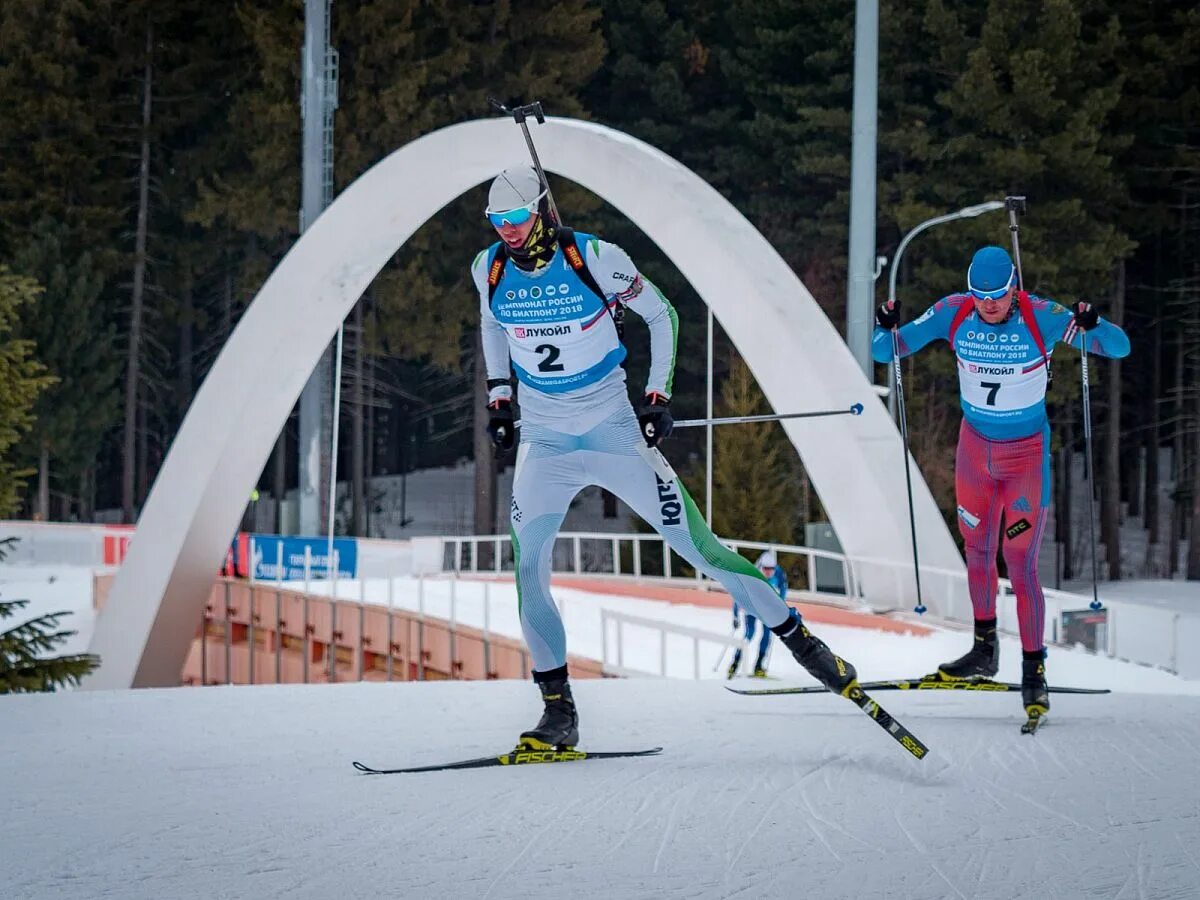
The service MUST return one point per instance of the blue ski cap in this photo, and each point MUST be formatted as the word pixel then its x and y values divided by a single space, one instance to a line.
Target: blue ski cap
pixel 991 273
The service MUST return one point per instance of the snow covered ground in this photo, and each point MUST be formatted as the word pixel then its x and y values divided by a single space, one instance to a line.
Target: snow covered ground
pixel 249 793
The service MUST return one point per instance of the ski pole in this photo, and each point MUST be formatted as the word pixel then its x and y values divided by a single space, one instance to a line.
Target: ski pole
pixel 1087 440
pixel 720 658
pixel 519 115
pixel 920 608
pixel 855 410
pixel 1015 205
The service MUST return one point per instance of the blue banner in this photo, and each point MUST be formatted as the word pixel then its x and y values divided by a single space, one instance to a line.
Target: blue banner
pixel 267 557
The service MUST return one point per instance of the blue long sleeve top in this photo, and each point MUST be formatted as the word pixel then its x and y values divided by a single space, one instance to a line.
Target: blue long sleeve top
pixel 1002 375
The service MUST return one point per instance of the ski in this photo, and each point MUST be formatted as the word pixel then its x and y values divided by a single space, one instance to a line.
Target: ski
pixel 917 684
pixel 905 738
pixel 516 757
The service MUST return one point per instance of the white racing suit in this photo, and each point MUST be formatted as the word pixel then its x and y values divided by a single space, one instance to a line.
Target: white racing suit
pixel 579 429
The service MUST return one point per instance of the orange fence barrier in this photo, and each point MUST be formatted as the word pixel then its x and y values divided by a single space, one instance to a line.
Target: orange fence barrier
pixel 261 634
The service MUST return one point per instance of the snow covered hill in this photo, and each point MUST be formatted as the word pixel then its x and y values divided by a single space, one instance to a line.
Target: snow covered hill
pixel 249 792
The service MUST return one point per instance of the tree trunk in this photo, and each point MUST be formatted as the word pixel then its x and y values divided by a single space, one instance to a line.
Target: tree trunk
pixel 143 454
pixel 1152 438
pixel 357 450
pixel 227 306
pixel 370 413
pixel 87 505
pixel 1131 481
pixel 1111 495
pixel 1193 559
pixel 485 464
pixel 186 351
pixel 132 371
pixel 1178 462
pixel 42 511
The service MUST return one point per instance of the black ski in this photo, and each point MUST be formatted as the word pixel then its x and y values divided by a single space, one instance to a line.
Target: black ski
pixel 918 684
pixel 905 738
pixel 517 757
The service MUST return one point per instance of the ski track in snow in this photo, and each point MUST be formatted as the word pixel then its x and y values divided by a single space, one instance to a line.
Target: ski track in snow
pixel 248 792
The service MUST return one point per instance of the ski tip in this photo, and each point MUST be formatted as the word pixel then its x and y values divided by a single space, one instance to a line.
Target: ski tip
pixel 365 769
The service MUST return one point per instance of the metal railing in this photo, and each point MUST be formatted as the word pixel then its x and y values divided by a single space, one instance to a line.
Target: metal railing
pixel 644 556
pixel 615 622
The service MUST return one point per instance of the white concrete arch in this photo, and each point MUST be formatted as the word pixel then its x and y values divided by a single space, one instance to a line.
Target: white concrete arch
pixel 797 356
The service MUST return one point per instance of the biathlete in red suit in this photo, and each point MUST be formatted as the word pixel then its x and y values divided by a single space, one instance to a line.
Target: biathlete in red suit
pixel 1003 339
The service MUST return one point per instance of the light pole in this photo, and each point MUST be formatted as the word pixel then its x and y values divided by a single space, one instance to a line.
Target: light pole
pixel 967 212
pixel 896 394
pixel 860 287
pixel 318 100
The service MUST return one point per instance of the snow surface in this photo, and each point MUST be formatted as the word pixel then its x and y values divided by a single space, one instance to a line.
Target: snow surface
pixel 248 792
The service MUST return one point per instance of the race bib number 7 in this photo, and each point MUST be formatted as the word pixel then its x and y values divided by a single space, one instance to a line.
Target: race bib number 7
pixel 1002 388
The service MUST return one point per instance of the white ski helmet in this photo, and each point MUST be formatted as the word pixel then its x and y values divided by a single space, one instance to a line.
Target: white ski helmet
pixel 767 560
pixel 514 188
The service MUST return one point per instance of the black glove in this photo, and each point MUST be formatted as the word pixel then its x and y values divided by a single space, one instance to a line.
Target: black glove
pixel 1087 316
pixel 888 317
pixel 654 417
pixel 500 425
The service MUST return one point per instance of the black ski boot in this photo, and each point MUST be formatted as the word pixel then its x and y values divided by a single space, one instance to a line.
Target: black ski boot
pixel 818 660
pixel 733 666
pixel 981 661
pixel 559 725
pixel 1034 694
pixel 760 666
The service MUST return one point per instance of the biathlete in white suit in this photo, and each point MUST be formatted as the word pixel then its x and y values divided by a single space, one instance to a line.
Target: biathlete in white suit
pixel 550 301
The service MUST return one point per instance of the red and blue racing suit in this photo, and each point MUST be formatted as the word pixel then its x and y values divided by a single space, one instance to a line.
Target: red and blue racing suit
pixel 1002 466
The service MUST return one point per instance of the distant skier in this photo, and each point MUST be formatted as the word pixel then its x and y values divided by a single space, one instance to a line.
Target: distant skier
pixel 768 564
pixel 1003 340
pixel 550 301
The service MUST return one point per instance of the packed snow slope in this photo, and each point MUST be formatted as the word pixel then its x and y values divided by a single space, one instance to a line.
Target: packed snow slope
pixel 249 792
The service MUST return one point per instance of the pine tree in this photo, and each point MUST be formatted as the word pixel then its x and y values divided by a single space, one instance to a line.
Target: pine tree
pixel 22 380
pixel 24 667
pixel 666 80
pixel 68 324
pixel 794 60
pixel 756 491
pixel 56 87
